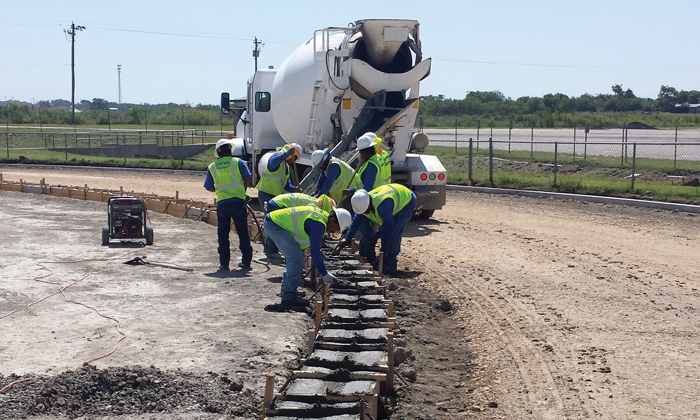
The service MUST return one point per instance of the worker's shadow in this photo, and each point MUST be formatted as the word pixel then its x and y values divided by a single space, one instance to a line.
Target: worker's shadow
pixel 229 274
pixel 417 228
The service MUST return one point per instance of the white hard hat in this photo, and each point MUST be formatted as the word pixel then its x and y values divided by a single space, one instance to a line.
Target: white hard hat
pixel 319 157
pixel 344 218
pixel 297 149
pixel 360 201
pixel 366 141
pixel 316 157
pixel 220 143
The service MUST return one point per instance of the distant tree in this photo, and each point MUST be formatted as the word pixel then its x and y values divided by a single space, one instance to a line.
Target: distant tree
pixel 99 104
pixel 667 98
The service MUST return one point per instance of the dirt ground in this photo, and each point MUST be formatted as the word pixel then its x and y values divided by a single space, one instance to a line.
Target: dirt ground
pixel 508 307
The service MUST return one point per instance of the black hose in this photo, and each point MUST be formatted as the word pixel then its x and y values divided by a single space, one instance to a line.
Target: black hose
pixel 252 213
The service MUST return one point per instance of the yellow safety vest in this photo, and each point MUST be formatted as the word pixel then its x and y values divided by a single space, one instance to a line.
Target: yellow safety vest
pixel 397 192
pixel 284 201
pixel 228 181
pixel 292 220
pixel 273 182
pixel 343 181
pixel 385 167
pixel 374 160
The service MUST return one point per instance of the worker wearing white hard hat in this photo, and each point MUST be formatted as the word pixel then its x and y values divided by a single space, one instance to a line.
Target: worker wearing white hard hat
pixel 371 174
pixel 294 230
pixel 275 180
pixel 229 177
pixel 335 175
pixel 391 206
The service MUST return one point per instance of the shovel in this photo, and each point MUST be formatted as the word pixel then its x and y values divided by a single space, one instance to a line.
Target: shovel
pixel 143 261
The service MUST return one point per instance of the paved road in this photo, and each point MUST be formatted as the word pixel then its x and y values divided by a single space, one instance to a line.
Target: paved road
pixel 658 144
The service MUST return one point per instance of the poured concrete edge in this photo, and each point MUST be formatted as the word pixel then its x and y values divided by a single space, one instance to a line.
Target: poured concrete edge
pixel 659 205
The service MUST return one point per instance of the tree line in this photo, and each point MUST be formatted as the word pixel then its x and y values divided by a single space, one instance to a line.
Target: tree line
pixel 551 110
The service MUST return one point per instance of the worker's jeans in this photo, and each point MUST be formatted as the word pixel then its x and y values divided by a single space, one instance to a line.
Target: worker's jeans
pixel 269 246
pixel 236 210
pixel 391 241
pixel 366 232
pixel 294 255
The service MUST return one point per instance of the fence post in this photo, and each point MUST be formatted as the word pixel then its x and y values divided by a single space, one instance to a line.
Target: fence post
pixel 456 119
pixel 471 154
pixel 556 161
pixel 65 144
pixel 510 129
pixel 532 139
pixel 491 160
pixel 634 162
pixel 7 142
pixel 478 127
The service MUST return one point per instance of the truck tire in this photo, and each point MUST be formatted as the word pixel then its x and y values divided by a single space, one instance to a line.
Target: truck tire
pixel 149 235
pixel 105 235
pixel 426 214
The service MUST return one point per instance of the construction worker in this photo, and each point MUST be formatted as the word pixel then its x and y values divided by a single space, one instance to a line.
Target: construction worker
pixel 335 175
pixel 371 174
pixel 391 206
pixel 284 201
pixel 384 160
pixel 229 177
pixel 294 229
pixel 274 180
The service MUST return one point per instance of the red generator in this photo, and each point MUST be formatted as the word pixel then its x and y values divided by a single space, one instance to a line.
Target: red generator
pixel 126 219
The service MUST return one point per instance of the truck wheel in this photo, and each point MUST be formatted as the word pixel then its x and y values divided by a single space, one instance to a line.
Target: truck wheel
pixel 105 235
pixel 149 235
pixel 426 214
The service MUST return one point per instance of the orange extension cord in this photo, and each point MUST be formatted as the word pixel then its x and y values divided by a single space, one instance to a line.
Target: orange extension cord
pixel 61 290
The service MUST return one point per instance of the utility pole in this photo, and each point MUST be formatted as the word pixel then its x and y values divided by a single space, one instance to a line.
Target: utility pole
pixel 73 28
pixel 256 51
pixel 119 76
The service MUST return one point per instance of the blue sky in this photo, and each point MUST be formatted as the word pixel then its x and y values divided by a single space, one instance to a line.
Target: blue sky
pixel 189 52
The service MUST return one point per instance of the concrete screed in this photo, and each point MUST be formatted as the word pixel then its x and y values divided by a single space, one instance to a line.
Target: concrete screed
pixel 66 300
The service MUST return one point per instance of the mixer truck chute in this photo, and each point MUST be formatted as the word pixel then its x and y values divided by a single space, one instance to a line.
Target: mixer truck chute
pixel 341 83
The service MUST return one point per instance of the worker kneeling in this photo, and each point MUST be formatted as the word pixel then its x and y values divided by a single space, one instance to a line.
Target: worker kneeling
pixel 294 229
pixel 391 206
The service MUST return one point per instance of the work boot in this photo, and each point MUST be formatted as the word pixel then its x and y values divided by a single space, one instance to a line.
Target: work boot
pixel 244 266
pixel 223 268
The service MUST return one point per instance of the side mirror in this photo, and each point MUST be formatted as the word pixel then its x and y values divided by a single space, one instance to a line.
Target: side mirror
pixel 225 103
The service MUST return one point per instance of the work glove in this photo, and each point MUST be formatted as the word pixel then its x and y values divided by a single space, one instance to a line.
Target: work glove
pixel 343 243
pixel 329 278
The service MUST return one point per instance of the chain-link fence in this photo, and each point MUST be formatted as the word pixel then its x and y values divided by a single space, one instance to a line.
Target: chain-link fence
pixel 655 170
pixel 65 146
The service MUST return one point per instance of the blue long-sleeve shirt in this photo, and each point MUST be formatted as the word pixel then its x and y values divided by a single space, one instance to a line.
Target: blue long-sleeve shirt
pixel 274 163
pixel 209 180
pixel 316 231
pixel 367 178
pixel 326 179
pixel 385 211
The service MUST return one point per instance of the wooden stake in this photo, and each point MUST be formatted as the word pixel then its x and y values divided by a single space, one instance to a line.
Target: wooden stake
pixel 319 308
pixel 389 308
pixel 390 361
pixel 269 391
pixel 311 339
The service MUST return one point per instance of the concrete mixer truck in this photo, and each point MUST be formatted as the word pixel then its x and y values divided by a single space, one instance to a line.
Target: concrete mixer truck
pixel 341 83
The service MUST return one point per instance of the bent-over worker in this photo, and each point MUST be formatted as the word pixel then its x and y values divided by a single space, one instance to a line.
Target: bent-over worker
pixel 392 207
pixel 274 181
pixel 284 201
pixel 294 229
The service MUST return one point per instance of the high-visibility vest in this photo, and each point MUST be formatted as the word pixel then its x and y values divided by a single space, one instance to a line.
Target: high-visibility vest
pixel 385 167
pixel 292 220
pixel 374 160
pixel 284 201
pixel 273 182
pixel 228 181
pixel 343 181
pixel 397 192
